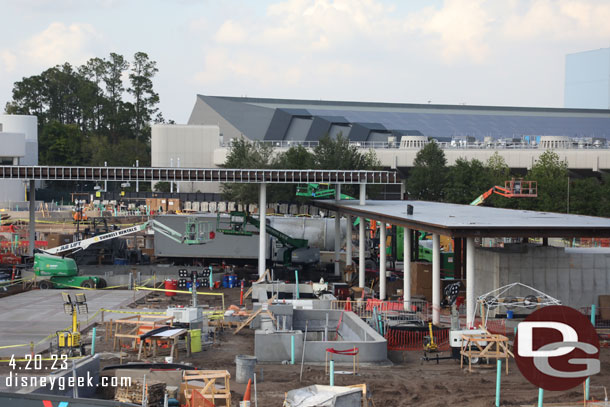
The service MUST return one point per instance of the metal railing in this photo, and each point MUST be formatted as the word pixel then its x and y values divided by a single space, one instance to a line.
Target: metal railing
pixel 391 312
pixel 479 145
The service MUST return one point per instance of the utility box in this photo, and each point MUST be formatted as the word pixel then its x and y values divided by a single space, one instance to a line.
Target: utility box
pixel 421 279
pixel 185 315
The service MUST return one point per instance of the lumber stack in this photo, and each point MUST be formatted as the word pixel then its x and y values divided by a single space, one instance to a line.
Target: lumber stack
pixel 133 394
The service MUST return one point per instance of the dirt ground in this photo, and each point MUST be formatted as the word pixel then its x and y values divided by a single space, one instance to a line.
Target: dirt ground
pixel 409 383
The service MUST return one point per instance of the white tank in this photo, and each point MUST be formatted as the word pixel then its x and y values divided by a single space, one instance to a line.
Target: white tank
pixel 28 125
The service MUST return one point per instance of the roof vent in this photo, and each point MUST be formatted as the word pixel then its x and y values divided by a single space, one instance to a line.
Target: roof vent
pixel 409 209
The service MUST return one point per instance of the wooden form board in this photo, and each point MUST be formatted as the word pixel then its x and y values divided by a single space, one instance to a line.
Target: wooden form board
pixel 210 391
pixel 132 327
pixel 485 345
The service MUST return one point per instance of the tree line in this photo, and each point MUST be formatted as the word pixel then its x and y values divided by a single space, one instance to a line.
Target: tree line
pixel 330 154
pixel 87 116
pixel 431 179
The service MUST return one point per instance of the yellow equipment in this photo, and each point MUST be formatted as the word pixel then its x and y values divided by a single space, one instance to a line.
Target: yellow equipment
pixel 430 345
pixel 69 340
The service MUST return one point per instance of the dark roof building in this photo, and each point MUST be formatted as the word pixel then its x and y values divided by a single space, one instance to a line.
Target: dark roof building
pixel 310 120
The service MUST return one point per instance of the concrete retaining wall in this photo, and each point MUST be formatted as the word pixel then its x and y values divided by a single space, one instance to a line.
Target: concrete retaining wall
pixel 576 277
pixel 273 346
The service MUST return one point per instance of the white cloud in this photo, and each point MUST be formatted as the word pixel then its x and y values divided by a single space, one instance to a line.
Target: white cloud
pixel 9 60
pixel 231 32
pixel 59 43
pixel 559 20
pixel 458 29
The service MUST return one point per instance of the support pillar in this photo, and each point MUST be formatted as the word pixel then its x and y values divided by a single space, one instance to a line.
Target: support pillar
pixel 262 237
pixel 348 243
pixel 337 233
pixel 32 225
pixel 406 274
pixel 382 261
pixel 470 302
pixel 436 279
pixel 362 240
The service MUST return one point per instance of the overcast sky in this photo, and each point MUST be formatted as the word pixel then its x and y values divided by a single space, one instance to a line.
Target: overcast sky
pixel 494 52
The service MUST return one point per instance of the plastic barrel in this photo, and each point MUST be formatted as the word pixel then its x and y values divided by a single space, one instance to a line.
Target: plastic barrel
pixel 244 368
pixel 225 281
pixel 232 281
pixel 509 314
pixel 170 285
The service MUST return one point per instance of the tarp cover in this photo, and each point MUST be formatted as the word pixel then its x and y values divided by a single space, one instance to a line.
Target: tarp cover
pixel 318 396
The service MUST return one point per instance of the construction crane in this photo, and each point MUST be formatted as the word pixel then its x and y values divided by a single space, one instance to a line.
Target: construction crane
pixel 515 188
pixel 293 251
pixel 63 271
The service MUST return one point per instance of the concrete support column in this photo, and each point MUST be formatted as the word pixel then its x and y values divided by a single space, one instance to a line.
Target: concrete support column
pixel 362 240
pixel 406 275
pixel 32 200
pixel 470 301
pixel 262 237
pixel 348 243
pixel 337 233
pixel 382 261
pixel 436 279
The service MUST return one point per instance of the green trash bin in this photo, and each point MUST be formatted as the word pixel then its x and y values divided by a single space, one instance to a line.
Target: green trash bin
pixel 195 335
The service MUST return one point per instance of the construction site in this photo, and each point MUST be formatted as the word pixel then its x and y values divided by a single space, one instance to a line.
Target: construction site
pixel 340 301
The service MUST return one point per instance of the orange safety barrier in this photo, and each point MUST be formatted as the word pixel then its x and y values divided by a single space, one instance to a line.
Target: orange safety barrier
pixel 403 339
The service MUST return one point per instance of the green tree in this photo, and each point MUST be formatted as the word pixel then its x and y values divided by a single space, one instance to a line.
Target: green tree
pixel 246 154
pixel 604 205
pixel 339 154
pixel 428 176
pixel 115 107
pixel 296 157
pixel 586 196
pixel 94 71
pixel 466 180
pixel 498 169
pixel 551 174
pixel 91 98
pixel 145 98
pixel 61 144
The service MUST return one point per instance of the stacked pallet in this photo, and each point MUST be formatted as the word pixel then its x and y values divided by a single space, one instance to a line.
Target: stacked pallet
pixel 133 394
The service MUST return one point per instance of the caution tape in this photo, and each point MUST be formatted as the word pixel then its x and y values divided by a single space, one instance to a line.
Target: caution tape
pixel 14 346
pixel 132 312
pixel 182 292
pixel 175 291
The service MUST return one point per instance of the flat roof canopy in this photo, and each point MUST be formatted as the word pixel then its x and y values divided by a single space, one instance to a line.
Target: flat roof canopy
pixel 63 173
pixel 473 221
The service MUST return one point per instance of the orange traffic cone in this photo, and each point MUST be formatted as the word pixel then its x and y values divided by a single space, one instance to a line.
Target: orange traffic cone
pixel 247 394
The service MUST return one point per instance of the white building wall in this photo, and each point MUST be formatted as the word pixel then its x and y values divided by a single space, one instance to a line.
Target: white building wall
pixel 192 145
pixel 19 140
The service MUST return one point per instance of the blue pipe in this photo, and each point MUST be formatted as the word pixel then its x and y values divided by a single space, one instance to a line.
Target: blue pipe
pixel 498 379
pixel 292 350
pixel 93 342
pixel 332 372
pixel 296 279
pixel 588 381
pixel 540 397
